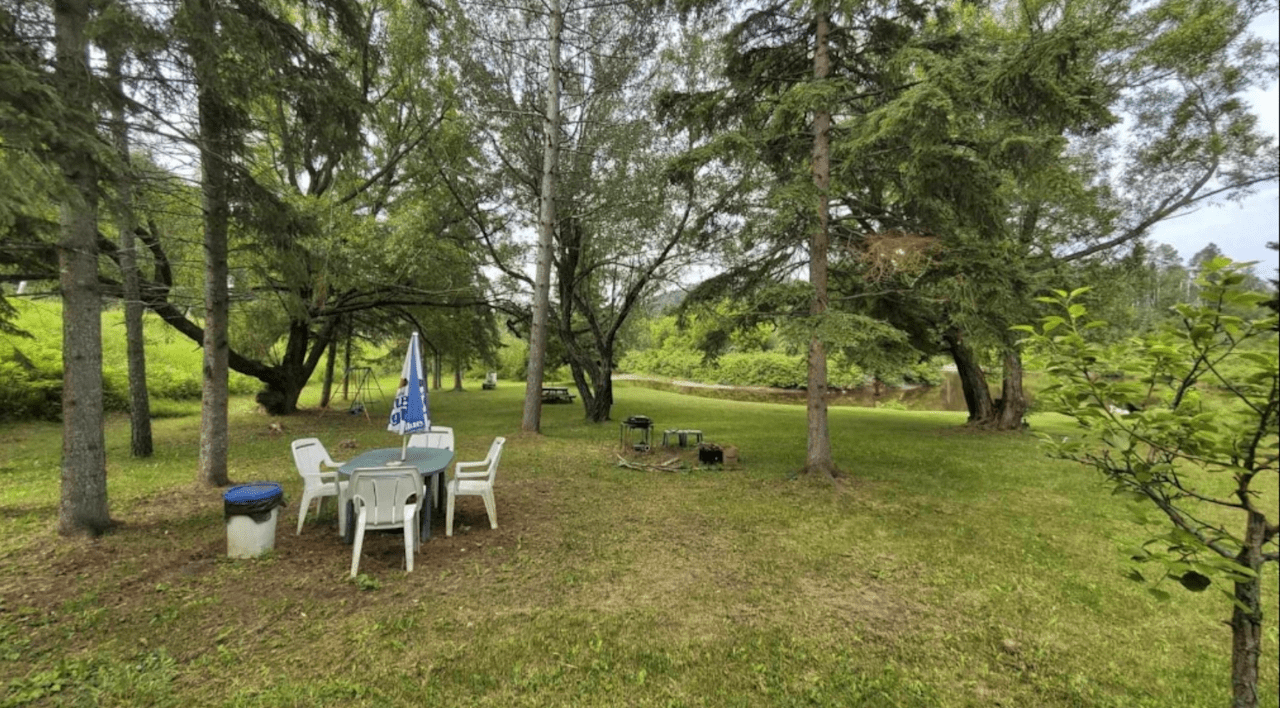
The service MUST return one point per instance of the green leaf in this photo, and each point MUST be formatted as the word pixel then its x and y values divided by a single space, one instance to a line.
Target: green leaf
pixel 1135 576
pixel 1076 311
pixel 1195 582
pixel 1263 360
pixel 1159 594
pixel 1234 600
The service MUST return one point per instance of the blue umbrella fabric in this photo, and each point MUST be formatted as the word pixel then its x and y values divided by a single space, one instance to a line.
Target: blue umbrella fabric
pixel 409 413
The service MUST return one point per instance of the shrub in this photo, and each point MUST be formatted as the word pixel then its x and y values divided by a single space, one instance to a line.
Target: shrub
pixel 772 369
pixel 513 358
pixel 31 369
pixel 28 393
pixel 925 373
pixel 673 363
pixel 842 373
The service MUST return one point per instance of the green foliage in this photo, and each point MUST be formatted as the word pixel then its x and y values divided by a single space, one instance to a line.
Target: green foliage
pixel 31 368
pixel 718 346
pixel 762 369
pixel 513 357
pixel 673 362
pixel 28 392
pixel 1184 418
pixel 367 582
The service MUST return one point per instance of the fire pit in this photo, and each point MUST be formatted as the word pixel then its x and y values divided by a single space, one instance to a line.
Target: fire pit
pixel 710 454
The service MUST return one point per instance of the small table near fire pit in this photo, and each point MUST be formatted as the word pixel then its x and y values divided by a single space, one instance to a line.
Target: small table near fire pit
pixel 681 437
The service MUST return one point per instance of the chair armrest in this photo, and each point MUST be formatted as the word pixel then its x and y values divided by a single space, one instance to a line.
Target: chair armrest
pixel 462 470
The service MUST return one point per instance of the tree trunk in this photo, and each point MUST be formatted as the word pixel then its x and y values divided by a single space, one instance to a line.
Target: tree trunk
pixel 1013 399
pixel 601 404
pixel 1246 625
pixel 215 146
pixel 977 396
pixel 457 378
pixel 302 352
pixel 818 455
pixel 330 363
pixel 281 395
pixel 532 419
pixel 594 383
pixel 83 506
pixel 346 362
pixel 140 441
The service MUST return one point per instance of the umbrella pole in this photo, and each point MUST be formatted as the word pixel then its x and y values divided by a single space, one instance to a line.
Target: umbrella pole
pixel 404 447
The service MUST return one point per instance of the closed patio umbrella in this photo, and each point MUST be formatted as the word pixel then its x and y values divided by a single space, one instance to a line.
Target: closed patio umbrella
pixel 409 413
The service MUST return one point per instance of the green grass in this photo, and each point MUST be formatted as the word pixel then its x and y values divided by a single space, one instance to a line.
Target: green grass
pixel 949 569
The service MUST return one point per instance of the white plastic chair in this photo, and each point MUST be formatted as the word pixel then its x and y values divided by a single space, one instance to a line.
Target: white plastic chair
pixel 381 500
pixel 475 479
pixel 437 437
pixel 311 457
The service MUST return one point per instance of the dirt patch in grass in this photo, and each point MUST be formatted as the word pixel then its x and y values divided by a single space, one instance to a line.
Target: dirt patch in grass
pixel 178 538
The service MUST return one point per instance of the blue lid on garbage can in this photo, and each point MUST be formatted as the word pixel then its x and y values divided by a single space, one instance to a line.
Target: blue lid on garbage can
pixel 255 500
pixel 252 492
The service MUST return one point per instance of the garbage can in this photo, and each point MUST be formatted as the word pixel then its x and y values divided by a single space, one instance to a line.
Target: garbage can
pixel 251 511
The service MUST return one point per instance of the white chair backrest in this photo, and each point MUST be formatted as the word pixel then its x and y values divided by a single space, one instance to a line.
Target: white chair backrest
pixel 309 454
pixel 384 491
pixel 437 437
pixel 495 452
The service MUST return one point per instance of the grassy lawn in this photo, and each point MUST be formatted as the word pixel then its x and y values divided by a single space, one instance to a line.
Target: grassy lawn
pixel 949 569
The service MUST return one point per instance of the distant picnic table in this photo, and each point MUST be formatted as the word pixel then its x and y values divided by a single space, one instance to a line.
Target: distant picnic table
pixel 556 394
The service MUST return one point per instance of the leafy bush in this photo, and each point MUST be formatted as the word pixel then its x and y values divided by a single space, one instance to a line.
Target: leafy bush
pixel 174 363
pixel 673 363
pixel 842 373
pixel 924 373
pixel 31 369
pixel 27 393
pixel 753 358
pixel 763 369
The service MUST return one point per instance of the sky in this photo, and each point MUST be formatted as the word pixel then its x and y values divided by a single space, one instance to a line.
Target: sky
pixel 1241 231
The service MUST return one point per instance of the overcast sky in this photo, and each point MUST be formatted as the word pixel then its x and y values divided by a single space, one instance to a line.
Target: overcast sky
pixel 1240 230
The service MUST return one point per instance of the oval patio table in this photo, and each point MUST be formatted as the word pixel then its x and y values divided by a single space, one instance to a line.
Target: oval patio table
pixel 430 462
